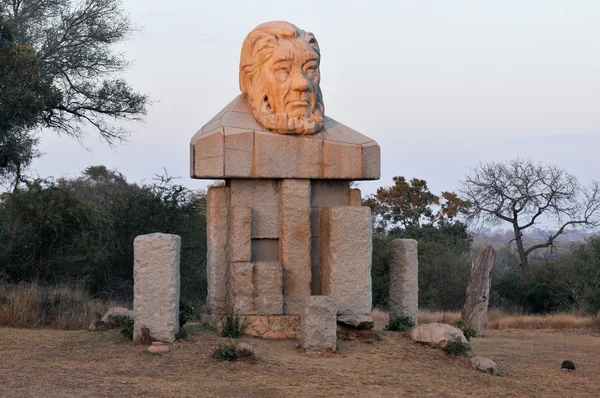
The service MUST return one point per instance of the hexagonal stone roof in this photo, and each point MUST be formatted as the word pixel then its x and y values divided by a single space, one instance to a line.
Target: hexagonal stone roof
pixel 234 145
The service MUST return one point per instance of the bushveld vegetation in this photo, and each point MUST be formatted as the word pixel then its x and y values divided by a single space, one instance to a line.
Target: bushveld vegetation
pixel 66 253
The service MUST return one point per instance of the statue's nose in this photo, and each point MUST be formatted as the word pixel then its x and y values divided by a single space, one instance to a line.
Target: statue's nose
pixel 300 82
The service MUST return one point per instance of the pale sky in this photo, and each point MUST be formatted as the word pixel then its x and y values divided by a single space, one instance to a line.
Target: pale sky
pixel 440 85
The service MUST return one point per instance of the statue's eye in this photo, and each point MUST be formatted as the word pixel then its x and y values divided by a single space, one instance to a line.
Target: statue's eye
pixel 311 72
pixel 281 74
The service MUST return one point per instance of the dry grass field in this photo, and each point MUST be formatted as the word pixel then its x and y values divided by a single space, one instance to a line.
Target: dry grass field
pixel 58 363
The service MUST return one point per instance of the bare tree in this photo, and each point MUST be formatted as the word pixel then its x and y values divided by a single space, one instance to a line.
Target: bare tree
pixel 523 193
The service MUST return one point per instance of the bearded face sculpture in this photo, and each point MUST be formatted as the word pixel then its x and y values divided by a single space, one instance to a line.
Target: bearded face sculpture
pixel 279 73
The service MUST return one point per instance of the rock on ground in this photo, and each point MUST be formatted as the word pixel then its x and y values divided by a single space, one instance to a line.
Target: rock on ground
pixel 485 365
pixel 362 322
pixel 436 333
pixel 244 350
pixel 117 311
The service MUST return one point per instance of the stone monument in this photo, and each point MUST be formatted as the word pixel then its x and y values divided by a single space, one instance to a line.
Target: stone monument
pixel 286 223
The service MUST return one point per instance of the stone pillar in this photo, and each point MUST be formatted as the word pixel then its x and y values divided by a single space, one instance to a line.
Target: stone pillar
pixel 156 285
pixel 295 242
pixel 478 290
pixel 318 323
pixel 217 253
pixel 345 257
pixel 404 279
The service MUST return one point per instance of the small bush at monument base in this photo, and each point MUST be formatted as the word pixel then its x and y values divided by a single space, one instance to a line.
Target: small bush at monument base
pixel 399 324
pixel 468 330
pixel 225 352
pixel 233 326
pixel 186 312
pixel 456 348
pixel 182 334
pixel 125 323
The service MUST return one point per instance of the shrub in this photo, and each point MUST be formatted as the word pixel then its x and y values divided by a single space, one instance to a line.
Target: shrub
pixel 399 324
pixel 182 334
pixel 456 348
pixel 225 352
pixel 125 323
pixel 186 312
pixel 468 330
pixel 233 326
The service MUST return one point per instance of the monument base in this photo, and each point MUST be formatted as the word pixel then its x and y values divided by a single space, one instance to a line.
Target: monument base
pixel 273 327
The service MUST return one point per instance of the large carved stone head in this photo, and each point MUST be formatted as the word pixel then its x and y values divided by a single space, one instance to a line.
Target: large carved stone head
pixel 279 73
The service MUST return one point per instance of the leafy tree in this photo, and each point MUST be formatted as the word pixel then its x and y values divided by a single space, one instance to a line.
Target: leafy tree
pixel 522 193
pixel 410 204
pixel 73 40
pixel 24 97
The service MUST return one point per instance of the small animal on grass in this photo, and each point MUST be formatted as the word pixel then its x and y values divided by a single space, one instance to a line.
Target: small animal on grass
pixel 569 365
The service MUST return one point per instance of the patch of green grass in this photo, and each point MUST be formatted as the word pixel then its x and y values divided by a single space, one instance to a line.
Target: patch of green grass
pixel 456 348
pixel 399 324
pixel 225 352
pixel 233 326
pixel 467 330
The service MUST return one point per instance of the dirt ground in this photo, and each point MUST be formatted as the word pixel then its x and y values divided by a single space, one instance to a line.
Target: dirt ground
pixel 52 363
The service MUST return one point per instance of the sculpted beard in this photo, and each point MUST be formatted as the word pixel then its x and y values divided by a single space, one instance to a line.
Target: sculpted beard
pixel 282 122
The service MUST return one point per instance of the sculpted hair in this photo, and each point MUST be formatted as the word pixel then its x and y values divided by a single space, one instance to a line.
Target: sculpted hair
pixel 258 47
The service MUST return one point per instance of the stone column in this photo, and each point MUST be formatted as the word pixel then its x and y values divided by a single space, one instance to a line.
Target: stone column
pixel 318 323
pixel 345 257
pixel 217 253
pixel 295 242
pixel 156 285
pixel 404 282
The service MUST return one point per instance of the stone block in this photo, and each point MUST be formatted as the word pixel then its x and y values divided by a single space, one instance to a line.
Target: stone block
pixel 286 156
pixel 342 160
pixel 354 198
pixel 217 261
pixel 295 242
pixel 238 152
pixel 242 288
pixel 156 285
pixel 404 279
pixel 262 196
pixel 208 155
pixel 268 288
pixel 371 161
pixel 241 231
pixel 318 325
pixel 345 247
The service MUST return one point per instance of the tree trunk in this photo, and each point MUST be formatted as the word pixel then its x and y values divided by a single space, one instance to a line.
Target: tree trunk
pixel 474 313
pixel 521 249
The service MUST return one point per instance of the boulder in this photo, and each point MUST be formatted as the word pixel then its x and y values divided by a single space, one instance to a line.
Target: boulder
pixel 97 325
pixel 485 365
pixel 118 311
pixel 362 322
pixel 244 350
pixel 436 333
pixel 158 348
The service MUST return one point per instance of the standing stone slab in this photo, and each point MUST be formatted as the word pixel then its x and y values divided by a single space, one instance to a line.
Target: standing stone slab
pixel 345 257
pixel 268 288
pixel 156 285
pixel 217 261
pixel 242 288
pixel 354 198
pixel 404 282
pixel 295 242
pixel 478 290
pixel 318 323
pixel 262 196
pixel 240 242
